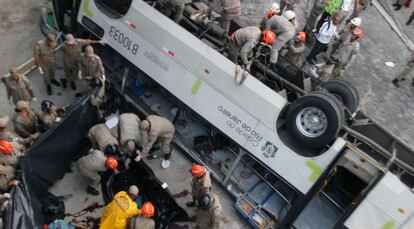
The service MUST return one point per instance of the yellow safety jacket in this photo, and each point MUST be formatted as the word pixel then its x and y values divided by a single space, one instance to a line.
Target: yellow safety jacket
pixel 116 213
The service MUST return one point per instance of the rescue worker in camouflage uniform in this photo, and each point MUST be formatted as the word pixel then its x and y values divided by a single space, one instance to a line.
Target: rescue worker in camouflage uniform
pixel 26 120
pixel 244 40
pixel 209 212
pixel 231 10
pixel 359 7
pixel 143 221
pixel 289 4
pixel 6 134
pixel 91 164
pixel 7 174
pixel 90 66
pixel 346 51
pixel 99 85
pixel 10 153
pixel 102 139
pixel 173 9
pixel 284 28
pixel 129 133
pixel 44 57
pixel 409 67
pixel 200 184
pixel 346 33
pixel 331 7
pixel 295 48
pixel 315 13
pixel 50 114
pixel 274 9
pixel 72 51
pixel 18 87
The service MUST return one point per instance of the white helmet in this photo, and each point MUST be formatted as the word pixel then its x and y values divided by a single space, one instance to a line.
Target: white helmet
pixel 275 7
pixel 289 14
pixel 356 21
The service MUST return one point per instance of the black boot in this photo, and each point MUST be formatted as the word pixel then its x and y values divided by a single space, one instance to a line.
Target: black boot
pixel 55 82
pixel 395 82
pixel 92 191
pixel 73 85
pixel 410 19
pixel 49 89
pixel 64 81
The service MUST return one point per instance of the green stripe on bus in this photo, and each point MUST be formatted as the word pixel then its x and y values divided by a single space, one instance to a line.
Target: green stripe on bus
pixel 389 225
pixel 85 9
pixel 316 170
pixel 196 86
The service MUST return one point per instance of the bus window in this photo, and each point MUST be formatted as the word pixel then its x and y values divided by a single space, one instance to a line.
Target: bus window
pixel 114 9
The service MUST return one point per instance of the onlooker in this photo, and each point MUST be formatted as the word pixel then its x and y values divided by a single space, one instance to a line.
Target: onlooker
pixel 18 87
pixel 327 31
pixel 331 7
pixel 405 72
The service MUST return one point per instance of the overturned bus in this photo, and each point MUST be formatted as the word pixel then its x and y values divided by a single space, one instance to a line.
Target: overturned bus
pixel 292 151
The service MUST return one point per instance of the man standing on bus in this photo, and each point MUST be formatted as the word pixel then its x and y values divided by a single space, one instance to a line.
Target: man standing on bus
pixel 44 57
pixel 157 128
pixel 72 51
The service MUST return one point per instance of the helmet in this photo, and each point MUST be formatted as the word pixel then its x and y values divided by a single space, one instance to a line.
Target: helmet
pixel 301 36
pixel 197 170
pixel 356 21
pixel 112 150
pixel 273 9
pixel 358 32
pixel 47 105
pixel 206 201
pixel 268 36
pixel 6 147
pixel 111 163
pixel 147 209
pixel 289 14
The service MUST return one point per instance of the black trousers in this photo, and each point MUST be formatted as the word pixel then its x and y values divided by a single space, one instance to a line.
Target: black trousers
pixel 325 16
pixel 317 48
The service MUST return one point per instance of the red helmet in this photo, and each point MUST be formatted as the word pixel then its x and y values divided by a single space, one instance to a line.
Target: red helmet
pixel 111 163
pixel 268 36
pixel 301 36
pixel 358 32
pixel 147 209
pixel 6 147
pixel 197 170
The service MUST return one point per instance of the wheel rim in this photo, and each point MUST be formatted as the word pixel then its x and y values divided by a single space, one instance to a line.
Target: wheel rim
pixel 311 122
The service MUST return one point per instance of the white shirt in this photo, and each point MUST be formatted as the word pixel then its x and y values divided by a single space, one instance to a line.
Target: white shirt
pixel 326 32
pixel 346 5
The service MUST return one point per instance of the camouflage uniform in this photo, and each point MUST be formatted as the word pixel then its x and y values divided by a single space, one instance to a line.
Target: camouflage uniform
pixel 90 165
pixel 48 119
pixel 200 186
pixel 345 53
pixel 242 43
pixel 20 90
pixel 129 129
pixel 210 218
pixel 45 58
pixel 174 9
pixel 284 30
pixel 101 136
pixel 294 51
pixel 7 174
pixel 140 222
pixel 289 4
pixel 162 130
pixel 71 58
pixel 25 126
pixel 231 9
pixel 91 68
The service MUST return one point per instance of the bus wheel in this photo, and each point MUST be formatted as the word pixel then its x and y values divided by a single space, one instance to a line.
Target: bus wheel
pixel 345 91
pixel 315 119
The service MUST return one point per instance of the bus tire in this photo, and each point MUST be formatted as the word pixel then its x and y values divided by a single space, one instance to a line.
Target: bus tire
pixel 345 91
pixel 315 119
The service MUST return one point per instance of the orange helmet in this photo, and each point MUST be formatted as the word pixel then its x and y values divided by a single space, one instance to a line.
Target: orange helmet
pixel 301 36
pixel 270 13
pixel 147 209
pixel 111 163
pixel 358 32
pixel 268 36
pixel 197 170
pixel 6 147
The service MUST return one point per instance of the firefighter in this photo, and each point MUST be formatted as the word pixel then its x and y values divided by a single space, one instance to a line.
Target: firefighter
pixel 72 51
pixel 143 221
pixel 44 57
pixel 50 114
pixel 289 4
pixel 315 13
pixel 405 72
pixel 244 40
pixel 346 51
pixel 6 134
pixel 99 85
pixel 231 9
pixel 157 128
pixel 7 174
pixel 209 212
pixel 173 9
pixel 296 47
pixel 129 133
pixel 118 211
pixel 284 28
pixel 346 33
pixel 200 184
pixel 90 67
pixel 10 153
pixel 274 9
pixel 102 139
pixel 18 87
pixel 91 164
pixel 26 120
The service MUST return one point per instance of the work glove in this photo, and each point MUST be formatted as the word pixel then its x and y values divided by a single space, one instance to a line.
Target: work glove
pixel 40 70
pixel 138 157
